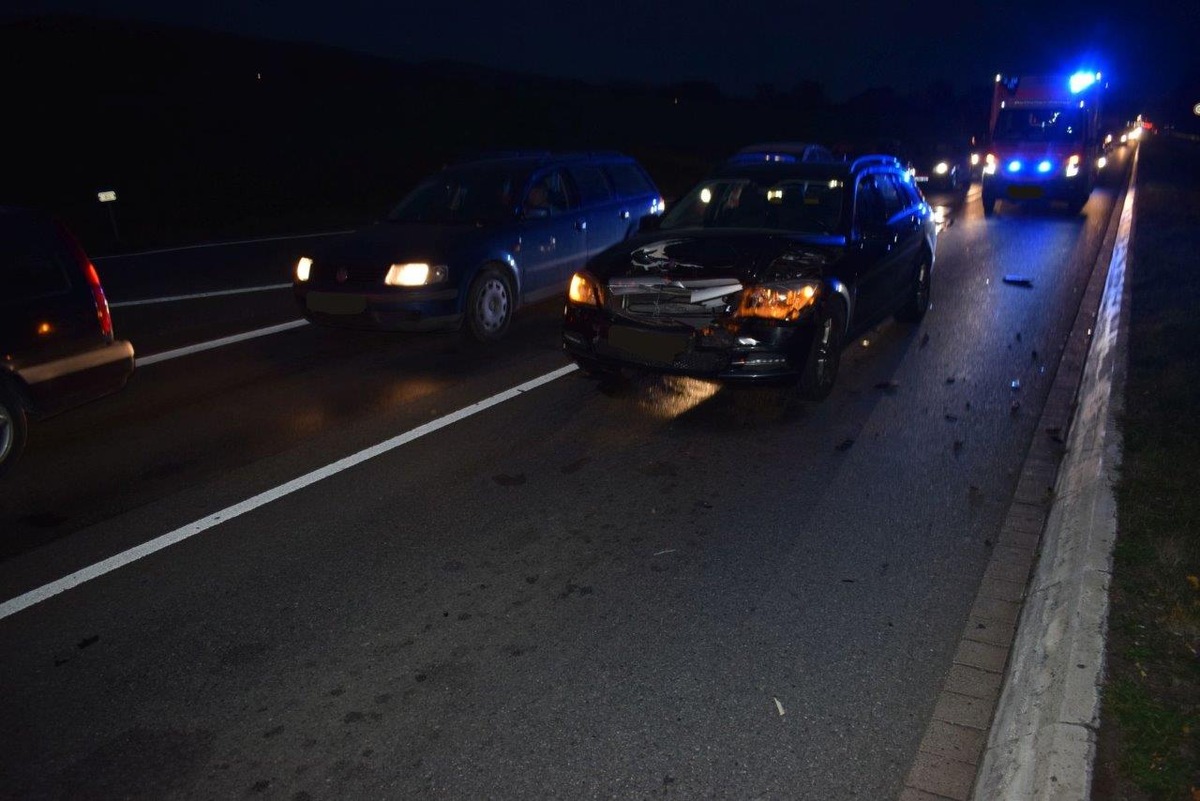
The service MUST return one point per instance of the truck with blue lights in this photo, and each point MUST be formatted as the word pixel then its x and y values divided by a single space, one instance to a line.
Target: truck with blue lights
pixel 1044 139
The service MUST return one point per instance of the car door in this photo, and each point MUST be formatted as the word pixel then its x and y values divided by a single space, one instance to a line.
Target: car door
pixel 873 250
pixel 606 218
pixel 904 225
pixel 553 235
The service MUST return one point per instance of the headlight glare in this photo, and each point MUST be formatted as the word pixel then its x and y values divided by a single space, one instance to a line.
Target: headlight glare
pixel 584 290
pixel 941 168
pixel 778 301
pixel 303 268
pixel 415 274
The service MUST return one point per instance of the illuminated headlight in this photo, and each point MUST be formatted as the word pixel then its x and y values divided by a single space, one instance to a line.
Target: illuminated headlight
pixel 1014 166
pixel 303 268
pixel 415 274
pixel 989 165
pixel 584 290
pixel 778 301
pixel 974 159
pixel 1108 139
pixel 1045 166
pixel 941 168
pixel 1073 166
pixel 1101 163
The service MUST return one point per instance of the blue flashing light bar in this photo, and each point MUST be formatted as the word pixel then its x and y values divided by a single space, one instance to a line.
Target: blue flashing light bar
pixel 1014 166
pixel 1082 80
pixel 1044 165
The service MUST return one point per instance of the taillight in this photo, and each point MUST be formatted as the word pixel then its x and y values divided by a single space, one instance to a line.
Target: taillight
pixel 102 313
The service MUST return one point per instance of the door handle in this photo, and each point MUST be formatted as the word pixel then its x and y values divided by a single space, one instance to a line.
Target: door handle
pixel 624 214
pixel 581 225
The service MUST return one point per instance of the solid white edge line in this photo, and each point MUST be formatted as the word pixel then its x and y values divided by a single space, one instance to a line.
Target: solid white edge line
pixel 220 244
pixel 154 358
pixel 46 591
pixel 215 294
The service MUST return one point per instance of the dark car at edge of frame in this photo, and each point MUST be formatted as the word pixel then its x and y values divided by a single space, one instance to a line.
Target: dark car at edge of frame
pixel 759 274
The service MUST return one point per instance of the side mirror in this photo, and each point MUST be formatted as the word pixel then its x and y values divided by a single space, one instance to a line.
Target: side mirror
pixel 651 222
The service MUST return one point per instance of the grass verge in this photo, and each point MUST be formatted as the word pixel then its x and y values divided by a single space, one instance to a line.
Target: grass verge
pixel 1150 721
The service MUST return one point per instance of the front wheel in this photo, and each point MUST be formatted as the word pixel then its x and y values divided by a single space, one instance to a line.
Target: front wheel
pixel 13 428
pixel 489 306
pixel 917 301
pixel 825 354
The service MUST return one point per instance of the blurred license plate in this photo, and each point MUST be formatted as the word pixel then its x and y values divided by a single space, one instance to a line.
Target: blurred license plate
pixel 1025 192
pixel 656 346
pixel 336 303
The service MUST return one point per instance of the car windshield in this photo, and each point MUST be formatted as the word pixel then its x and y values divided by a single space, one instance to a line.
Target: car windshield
pixel 460 196
pixel 801 205
pixel 1039 125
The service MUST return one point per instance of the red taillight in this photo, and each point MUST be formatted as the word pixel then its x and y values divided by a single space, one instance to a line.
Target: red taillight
pixel 102 312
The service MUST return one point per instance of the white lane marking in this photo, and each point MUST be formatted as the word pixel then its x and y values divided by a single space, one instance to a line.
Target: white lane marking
pixel 145 361
pixel 221 244
pixel 196 296
pixel 46 591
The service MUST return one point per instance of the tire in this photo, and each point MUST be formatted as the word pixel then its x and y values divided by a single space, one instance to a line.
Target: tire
pixel 490 304
pixel 917 302
pixel 14 428
pixel 989 204
pixel 824 354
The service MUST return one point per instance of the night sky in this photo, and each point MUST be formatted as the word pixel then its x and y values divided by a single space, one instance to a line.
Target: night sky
pixel 1144 48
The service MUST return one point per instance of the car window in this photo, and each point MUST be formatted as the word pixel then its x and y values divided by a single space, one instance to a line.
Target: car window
pixel 591 182
pixel 800 205
pixel 893 201
pixel 628 180
pixel 34 262
pixel 460 196
pixel 868 204
pixel 551 191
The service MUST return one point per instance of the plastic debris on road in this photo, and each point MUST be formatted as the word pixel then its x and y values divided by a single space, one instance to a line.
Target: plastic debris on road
pixel 1019 280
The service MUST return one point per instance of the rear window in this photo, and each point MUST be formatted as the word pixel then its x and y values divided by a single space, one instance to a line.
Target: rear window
pixel 628 179
pixel 34 261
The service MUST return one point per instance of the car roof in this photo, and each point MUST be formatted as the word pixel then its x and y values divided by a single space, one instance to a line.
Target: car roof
pixel 782 151
pixel 532 159
pixel 820 170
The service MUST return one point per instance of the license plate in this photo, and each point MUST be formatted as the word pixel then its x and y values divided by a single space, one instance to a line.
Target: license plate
pixel 336 303
pixel 655 346
pixel 1025 192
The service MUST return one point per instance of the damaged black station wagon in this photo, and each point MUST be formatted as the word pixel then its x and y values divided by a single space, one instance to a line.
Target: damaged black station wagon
pixel 759 274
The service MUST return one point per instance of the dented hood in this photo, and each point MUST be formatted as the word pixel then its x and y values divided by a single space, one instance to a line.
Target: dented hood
pixel 746 256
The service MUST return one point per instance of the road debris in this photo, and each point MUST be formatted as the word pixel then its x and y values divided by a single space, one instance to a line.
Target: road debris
pixel 924 340
pixel 844 445
pixel 951 380
pixel 778 706
pixel 951 418
pixel 666 551
pixel 1016 384
pixel 888 387
pixel 1015 408
pixel 1019 280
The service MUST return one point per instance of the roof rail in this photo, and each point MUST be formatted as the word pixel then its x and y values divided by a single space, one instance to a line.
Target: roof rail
pixel 876 160
pixel 488 155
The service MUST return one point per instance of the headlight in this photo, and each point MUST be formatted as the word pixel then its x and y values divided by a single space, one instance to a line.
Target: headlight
pixel 1101 163
pixel 1073 166
pixel 941 168
pixel 415 274
pixel 778 301
pixel 989 164
pixel 974 159
pixel 303 268
pixel 584 290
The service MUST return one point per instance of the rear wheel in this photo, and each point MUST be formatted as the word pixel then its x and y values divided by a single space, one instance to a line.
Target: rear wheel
pixel 825 353
pixel 489 305
pixel 13 428
pixel 917 302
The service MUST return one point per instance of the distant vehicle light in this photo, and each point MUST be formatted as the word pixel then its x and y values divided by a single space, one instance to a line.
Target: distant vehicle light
pixel 1014 166
pixel 1082 80
pixel 706 195
pixel 1044 165
pixel 303 268
pixel 941 168
pixel 1074 160
pixel 974 159
pixel 1101 163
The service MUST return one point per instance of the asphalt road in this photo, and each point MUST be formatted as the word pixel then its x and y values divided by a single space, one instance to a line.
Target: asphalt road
pixel 664 590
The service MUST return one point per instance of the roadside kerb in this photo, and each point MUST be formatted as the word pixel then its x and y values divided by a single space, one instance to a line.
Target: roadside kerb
pixel 1042 710
pixel 1043 739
